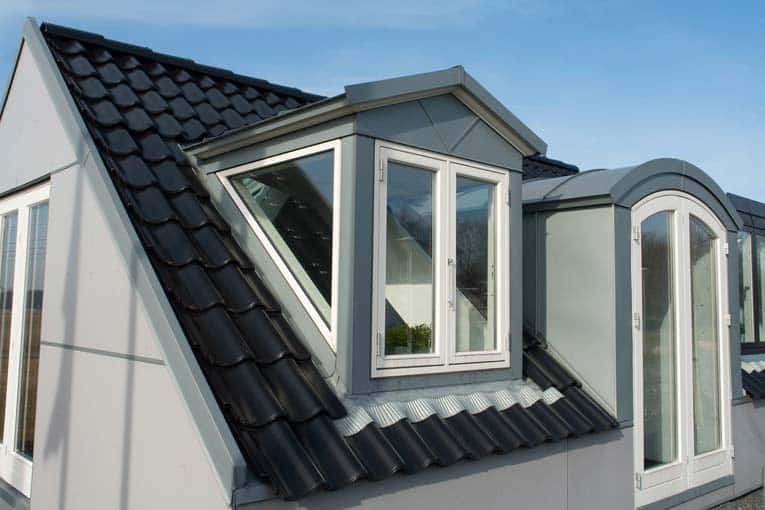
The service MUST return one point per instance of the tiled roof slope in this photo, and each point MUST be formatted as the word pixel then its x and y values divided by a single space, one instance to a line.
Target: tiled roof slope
pixel 753 378
pixel 138 106
pixel 538 166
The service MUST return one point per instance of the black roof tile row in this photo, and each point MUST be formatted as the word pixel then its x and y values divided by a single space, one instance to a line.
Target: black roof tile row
pixel 139 106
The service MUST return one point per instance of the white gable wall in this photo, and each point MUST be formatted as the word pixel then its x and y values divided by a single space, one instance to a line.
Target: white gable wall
pixel 32 140
pixel 113 430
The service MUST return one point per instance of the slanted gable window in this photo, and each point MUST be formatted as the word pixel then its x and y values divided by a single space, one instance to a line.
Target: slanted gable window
pixel 290 202
pixel 441 260
pixel 23 241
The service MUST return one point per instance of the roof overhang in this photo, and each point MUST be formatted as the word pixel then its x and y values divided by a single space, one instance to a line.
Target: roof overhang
pixel 367 96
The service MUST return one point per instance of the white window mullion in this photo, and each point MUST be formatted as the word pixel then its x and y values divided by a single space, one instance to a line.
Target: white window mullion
pixel 450 242
pixel 17 329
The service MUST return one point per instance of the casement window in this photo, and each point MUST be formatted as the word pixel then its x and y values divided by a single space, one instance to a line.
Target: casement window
pixel 682 367
pixel 441 259
pixel 747 332
pixel 291 203
pixel 751 253
pixel 23 239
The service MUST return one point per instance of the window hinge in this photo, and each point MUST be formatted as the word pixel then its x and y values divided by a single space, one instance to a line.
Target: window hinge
pixel 379 345
pixel 636 233
pixel 508 197
pixel 381 171
pixel 725 249
pixel 638 480
pixel 636 320
pixel 732 452
pixel 727 319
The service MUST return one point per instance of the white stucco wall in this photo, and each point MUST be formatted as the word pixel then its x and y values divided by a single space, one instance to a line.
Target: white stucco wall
pixel 113 430
pixel 32 140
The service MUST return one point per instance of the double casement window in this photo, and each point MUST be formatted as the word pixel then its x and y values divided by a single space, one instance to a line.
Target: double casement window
pixel 751 253
pixel 441 258
pixel 682 382
pixel 291 203
pixel 23 239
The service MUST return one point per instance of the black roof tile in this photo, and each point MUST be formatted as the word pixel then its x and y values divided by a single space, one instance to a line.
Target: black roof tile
pixel 279 407
pixel 440 440
pixel 287 464
pixel 375 452
pixel 753 382
pixel 137 120
pixel 118 141
pixel 81 67
pixel 414 452
pixel 92 88
pixel 167 126
pixel 292 390
pixel 110 74
pixel 207 114
pixel 496 426
pixel 470 436
pixel 139 80
pixel 133 171
pixel 192 92
pixel 153 102
pixel 538 166
pixel 525 425
pixel 105 113
pixel 181 109
pixel 167 87
pixel 240 104
pixel 330 452
pixel 217 99
pixel 123 96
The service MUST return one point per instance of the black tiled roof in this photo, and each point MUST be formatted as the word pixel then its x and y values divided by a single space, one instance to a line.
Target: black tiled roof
pixel 753 379
pixel 751 211
pixel 538 166
pixel 139 106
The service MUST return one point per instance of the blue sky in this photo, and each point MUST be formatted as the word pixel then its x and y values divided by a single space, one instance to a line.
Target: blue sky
pixel 604 83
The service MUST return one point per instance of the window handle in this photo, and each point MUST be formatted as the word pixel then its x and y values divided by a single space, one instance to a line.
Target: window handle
pixel 452 283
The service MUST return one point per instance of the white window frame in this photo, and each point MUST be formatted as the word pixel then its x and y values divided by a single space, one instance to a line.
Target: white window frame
pixel 16 469
pixel 444 357
pixel 328 331
pixel 689 470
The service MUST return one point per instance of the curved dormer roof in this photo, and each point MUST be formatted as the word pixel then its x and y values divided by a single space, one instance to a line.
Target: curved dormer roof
pixel 626 186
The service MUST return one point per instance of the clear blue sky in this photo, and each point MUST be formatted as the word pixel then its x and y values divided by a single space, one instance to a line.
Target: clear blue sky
pixel 605 84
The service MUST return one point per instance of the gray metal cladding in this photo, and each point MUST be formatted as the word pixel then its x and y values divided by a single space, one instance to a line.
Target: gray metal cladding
pixel 139 106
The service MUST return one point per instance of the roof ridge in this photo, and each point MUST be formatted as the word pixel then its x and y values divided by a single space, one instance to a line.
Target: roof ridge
pixel 187 63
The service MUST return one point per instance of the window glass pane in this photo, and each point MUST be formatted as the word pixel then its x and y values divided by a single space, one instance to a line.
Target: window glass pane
pixel 704 312
pixel 659 345
pixel 745 288
pixel 30 355
pixel 760 269
pixel 475 265
pixel 292 202
pixel 409 288
pixel 7 264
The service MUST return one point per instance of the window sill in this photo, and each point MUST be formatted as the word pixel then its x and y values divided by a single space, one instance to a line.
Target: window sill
pixel 10 498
